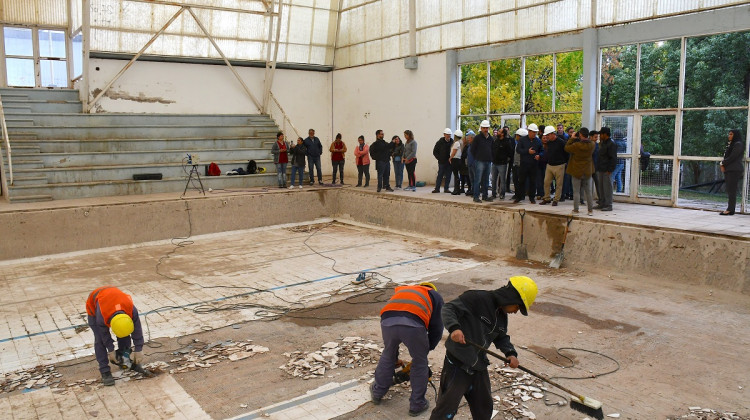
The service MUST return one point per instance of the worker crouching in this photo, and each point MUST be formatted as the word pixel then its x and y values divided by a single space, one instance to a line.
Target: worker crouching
pixel 479 316
pixel 412 317
pixel 110 308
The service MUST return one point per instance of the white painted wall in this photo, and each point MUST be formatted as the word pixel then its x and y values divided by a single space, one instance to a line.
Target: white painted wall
pixel 212 89
pixel 386 96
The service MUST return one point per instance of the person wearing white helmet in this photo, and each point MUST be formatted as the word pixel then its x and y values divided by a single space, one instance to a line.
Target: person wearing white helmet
pixel 456 161
pixel 481 150
pixel 528 147
pixel 442 152
pixel 555 170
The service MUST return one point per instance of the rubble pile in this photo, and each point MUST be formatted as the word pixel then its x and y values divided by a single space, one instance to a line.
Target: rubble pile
pixel 514 389
pixel 349 352
pixel 698 413
pixel 34 378
pixel 199 355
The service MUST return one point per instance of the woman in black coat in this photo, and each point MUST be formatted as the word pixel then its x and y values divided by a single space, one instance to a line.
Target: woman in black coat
pixel 732 168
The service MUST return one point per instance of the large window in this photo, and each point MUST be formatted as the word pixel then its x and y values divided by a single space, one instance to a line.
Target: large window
pixel 544 89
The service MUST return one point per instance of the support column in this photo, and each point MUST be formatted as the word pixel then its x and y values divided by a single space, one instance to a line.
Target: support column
pixel 590 77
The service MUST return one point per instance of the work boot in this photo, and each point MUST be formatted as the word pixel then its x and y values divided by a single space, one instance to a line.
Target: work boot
pixel 375 400
pixel 107 379
pixel 415 413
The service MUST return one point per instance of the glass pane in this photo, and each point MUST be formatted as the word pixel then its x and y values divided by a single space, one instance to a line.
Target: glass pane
pixel 708 59
pixel 621 127
pixel 618 77
pixel 54 73
pixel 505 85
pixel 513 122
pixel 77 55
pixel 567 120
pixel 51 43
pixel 657 134
pixel 470 123
pixel 621 176
pixel 655 178
pixel 660 71
pixel 704 133
pixel 20 72
pixel 18 42
pixel 538 88
pixel 569 86
pixel 701 185
pixel 474 88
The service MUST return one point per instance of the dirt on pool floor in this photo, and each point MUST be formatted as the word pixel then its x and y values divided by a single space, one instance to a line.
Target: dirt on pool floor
pixel 677 346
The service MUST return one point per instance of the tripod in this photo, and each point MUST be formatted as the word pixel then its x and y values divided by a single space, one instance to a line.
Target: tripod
pixel 194 172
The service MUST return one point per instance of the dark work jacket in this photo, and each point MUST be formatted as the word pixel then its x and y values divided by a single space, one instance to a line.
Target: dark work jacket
pixel 483 332
pixel 523 149
pixel 481 147
pixel 607 156
pixel 435 330
pixel 442 151
pixel 555 152
pixel 313 146
pixel 733 156
pixel 299 151
pixel 502 150
pixel 380 150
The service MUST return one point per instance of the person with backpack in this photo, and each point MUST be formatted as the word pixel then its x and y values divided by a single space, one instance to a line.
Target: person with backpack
pixel 280 152
pixel 299 154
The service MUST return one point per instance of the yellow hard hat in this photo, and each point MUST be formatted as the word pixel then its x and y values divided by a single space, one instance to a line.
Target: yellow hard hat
pixel 428 284
pixel 122 325
pixel 527 289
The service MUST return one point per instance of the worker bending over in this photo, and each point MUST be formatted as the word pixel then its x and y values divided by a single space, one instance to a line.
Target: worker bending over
pixel 480 316
pixel 412 317
pixel 110 308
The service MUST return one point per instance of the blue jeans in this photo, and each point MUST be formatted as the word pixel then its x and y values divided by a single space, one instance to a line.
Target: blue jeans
pixel 297 170
pixel 398 169
pixel 314 161
pixel 281 174
pixel 617 174
pixel 384 173
pixel 444 172
pixel 481 178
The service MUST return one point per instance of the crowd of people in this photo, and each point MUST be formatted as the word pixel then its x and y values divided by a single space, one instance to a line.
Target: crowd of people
pixel 546 164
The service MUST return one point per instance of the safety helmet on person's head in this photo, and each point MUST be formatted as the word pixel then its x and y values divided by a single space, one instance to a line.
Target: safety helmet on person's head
pixel 549 130
pixel 428 284
pixel 532 127
pixel 458 133
pixel 527 289
pixel 447 131
pixel 122 325
pixel 484 124
pixel 522 132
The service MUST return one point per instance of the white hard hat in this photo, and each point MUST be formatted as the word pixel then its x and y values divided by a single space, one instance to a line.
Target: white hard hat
pixel 549 130
pixel 458 133
pixel 484 124
pixel 532 127
pixel 447 131
pixel 522 132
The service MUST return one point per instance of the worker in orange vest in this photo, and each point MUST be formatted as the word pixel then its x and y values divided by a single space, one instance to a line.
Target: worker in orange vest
pixel 110 308
pixel 412 317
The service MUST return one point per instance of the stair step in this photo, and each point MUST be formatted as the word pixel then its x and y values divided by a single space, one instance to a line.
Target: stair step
pixel 29 180
pixel 30 198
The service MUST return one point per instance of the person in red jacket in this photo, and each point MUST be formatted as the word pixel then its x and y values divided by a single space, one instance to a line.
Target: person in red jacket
pixel 412 317
pixel 110 308
pixel 338 155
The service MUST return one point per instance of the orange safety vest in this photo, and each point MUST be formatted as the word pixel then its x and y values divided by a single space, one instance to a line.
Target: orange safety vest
pixel 111 300
pixel 412 299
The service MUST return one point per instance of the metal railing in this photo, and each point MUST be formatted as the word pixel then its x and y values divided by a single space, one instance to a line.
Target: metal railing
pixel 7 143
pixel 284 120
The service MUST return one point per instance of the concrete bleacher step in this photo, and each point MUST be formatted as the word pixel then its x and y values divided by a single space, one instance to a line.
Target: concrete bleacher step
pixel 39 94
pixel 71 159
pixel 118 119
pixel 31 198
pixel 185 144
pixel 141 131
pixel 15 107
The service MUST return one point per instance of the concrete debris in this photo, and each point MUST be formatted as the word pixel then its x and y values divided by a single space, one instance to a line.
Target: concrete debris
pixel 514 389
pixel 201 355
pixel 698 413
pixel 349 352
pixel 38 377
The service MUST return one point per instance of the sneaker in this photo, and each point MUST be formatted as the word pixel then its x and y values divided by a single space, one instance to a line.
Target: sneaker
pixel 375 400
pixel 591 212
pixel 447 191
pixel 606 208
pixel 415 413
pixel 476 200
pixel 544 202
pixel 489 199
pixel 300 187
pixel 358 185
pixel 320 182
pixel 554 204
pixel 292 187
pixel 598 207
pixel 435 191
pixel 532 201
pixel 502 196
pixel 456 192
pixel 517 200
pixel 107 379
pixel 575 210
pixel 388 189
pixel 379 190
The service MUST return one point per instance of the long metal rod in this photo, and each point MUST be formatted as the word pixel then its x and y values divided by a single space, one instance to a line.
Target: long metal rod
pixel 201 6
pixel 275 56
pixel 224 57
pixel 132 61
pixel 286 117
pixel 83 92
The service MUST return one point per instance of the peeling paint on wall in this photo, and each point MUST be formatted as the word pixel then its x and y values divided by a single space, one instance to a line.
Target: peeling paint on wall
pixel 113 94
